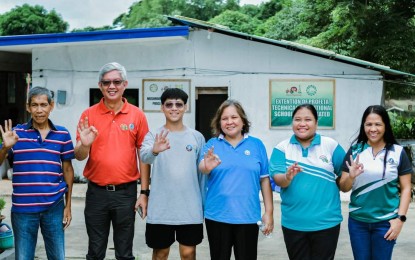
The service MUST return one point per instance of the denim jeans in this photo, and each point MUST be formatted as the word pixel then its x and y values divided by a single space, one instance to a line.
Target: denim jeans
pixel 25 229
pixel 368 240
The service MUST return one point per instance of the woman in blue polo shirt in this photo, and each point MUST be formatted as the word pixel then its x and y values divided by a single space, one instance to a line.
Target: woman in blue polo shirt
pixel 237 165
pixel 306 167
pixel 373 168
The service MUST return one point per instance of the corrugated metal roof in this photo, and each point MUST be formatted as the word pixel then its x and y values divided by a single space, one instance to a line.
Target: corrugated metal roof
pixel 288 45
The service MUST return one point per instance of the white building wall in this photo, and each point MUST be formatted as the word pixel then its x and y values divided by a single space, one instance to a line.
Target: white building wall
pixel 244 66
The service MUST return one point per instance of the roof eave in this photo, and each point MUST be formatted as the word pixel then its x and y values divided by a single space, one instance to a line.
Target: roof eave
pixel 19 42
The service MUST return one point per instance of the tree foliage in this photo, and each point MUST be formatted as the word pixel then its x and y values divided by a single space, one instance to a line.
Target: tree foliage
pixel 236 21
pixel 283 25
pixel 92 29
pixel 28 19
pixel 379 31
pixel 269 8
pixel 151 13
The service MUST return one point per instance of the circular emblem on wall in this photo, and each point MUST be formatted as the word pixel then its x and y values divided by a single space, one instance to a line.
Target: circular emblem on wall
pixel 311 90
pixel 153 87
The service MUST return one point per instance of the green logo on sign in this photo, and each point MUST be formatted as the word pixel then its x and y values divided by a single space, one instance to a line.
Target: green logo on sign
pixel 311 90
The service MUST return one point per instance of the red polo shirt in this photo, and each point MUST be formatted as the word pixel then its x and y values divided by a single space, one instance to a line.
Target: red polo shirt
pixel 113 155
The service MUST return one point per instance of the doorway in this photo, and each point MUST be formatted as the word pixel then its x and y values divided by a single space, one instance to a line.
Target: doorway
pixel 208 100
pixel 13 88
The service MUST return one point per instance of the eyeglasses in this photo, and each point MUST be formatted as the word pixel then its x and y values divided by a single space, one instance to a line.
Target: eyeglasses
pixel 170 105
pixel 107 83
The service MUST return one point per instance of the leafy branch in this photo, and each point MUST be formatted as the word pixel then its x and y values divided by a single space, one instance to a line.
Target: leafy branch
pixel 402 127
pixel 2 204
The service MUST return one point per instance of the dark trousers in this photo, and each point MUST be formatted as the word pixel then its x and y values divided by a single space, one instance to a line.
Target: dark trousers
pixel 103 207
pixel 223 236
pixel 311 245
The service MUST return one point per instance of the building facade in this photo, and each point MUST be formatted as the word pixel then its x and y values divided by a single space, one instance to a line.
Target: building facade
pixel 212 64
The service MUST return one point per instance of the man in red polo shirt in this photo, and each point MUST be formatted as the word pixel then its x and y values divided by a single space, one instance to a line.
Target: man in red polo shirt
pixel 110 134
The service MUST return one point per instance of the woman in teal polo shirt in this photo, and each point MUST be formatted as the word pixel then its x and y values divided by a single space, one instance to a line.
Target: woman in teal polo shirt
pixel 306 167
pixel 374 167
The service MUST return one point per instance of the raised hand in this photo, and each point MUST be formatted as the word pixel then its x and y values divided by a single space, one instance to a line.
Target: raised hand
pixel 8 136
pixel 355 168
pixel 211 160
pixel 161 143
pixel 292 171
pixel 87 133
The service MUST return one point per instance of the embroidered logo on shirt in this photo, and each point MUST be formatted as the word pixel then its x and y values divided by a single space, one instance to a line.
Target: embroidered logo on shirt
pixel 391 161
pixel 324 158
pixel 247 152
pixel 124 127
pixel 131 126
pixel 189 147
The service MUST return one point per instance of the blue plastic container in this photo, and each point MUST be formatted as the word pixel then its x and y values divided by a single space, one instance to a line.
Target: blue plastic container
pixel 6 237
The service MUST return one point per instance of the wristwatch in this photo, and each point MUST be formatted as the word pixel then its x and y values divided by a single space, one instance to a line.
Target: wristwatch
pixel 145 192
pixel 401 218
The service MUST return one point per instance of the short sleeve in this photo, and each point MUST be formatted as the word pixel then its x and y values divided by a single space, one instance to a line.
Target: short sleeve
pixel 277 163
pixel 405 165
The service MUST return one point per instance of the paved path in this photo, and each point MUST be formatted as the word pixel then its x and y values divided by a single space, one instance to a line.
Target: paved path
pixel 268 248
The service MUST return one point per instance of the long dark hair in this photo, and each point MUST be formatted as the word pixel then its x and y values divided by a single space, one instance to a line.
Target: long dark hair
pixel 388 137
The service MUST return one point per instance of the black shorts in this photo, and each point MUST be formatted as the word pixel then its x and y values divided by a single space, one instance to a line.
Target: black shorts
pixel 159 236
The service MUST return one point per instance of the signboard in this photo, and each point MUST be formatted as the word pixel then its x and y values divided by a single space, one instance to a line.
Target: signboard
pixel 286 95
pixel 153 88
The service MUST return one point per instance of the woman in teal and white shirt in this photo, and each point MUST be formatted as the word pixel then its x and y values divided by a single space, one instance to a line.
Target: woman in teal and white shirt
pixel 373 168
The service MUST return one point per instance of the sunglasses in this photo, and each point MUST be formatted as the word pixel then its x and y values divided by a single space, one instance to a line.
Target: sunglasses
pixel 170 105
pixel 107 83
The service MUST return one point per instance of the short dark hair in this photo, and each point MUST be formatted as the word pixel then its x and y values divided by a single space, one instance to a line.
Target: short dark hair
pixel 309 107
pixel 215 124
pixel 38 91
pixel 388 137
pixel 174 93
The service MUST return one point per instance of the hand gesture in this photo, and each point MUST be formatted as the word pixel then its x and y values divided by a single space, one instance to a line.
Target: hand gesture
pixel 87 133
pixel 161 143
pixel 211 160
pixel 292 171
pixel 8 135
pixel 355 168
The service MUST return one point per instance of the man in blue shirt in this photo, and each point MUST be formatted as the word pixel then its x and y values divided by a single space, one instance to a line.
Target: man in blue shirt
pixel 41 155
